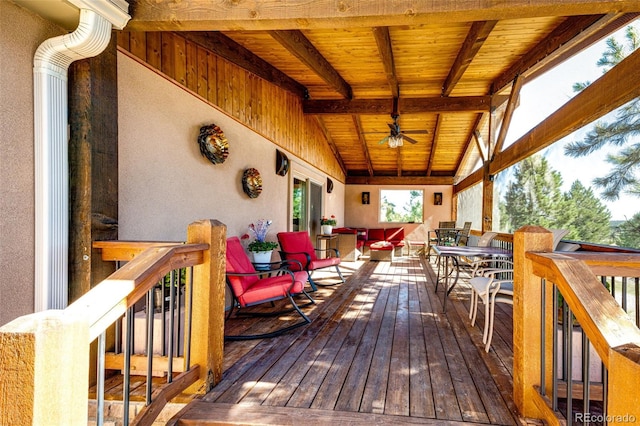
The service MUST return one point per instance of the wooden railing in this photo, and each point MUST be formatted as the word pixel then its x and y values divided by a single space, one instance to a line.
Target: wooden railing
pixel 44 357
pixel 539 275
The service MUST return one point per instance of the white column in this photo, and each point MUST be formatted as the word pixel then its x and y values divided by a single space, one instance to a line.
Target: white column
pixel 50 67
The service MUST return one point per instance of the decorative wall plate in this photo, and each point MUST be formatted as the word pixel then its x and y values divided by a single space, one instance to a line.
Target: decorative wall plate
pixel 213 144
pixel 252 182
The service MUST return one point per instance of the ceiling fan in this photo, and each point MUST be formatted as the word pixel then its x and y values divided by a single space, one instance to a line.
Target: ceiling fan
pixel 397 137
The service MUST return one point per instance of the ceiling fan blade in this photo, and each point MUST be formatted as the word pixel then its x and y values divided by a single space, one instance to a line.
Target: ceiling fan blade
pixel 416 132
pixel 408 139
pixel 383 140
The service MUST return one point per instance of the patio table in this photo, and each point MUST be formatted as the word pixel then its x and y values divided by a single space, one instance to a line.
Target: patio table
pixel 453 254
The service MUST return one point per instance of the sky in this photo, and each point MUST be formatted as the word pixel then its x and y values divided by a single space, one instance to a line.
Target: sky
pixel 544 95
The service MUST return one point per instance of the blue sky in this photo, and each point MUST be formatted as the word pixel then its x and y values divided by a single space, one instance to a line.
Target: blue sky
pixel 547 93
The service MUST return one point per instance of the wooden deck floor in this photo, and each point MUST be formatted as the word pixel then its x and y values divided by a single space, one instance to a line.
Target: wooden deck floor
pixel 379 350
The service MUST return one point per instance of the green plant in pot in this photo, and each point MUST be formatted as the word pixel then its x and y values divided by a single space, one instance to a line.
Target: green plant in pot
pixel 260 247
pixel 256 245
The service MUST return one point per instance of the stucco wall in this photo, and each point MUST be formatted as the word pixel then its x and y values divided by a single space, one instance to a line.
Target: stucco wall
pixel 360 215
pixel 165 183
pixel 21 32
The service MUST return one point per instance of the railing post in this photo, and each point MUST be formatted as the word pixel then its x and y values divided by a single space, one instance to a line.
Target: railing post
pixel 527 311
pixel 44 360
pixel 624 398
pixel 207 331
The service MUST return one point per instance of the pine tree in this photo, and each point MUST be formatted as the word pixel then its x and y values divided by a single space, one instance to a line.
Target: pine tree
pixel 628 233
pixel 619 132
pixel 585 216
pixel 534 197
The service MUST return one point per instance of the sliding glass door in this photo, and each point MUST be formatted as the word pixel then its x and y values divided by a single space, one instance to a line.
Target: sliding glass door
pixel 299 205
pixel 307 206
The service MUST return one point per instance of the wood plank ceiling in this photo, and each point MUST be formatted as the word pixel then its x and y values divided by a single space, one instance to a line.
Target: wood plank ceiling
pixel 451 71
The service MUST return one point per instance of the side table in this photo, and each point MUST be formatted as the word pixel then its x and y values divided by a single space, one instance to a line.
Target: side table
pixel 325 242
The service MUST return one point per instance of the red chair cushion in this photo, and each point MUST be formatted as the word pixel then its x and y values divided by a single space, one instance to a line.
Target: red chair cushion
pixel 376 234
pixel 324 263
pixel 297 242
pixel 271 288
pixel 238 261
pixel 252 289
pixel 394 234
pixel 344 231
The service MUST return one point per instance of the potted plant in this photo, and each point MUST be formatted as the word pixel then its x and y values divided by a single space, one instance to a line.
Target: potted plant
pixel 328 224
pixel 260 248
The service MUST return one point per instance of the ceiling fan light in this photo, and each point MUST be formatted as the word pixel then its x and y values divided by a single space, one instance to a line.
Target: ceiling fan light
pixel 395 141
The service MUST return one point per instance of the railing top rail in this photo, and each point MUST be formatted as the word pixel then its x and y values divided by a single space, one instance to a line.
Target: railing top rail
pixel 123 250
pixel 606 324
pixel 500 237
pixel 106 302
pixel 608 263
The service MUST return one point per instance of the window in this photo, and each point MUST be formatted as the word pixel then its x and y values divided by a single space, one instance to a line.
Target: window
pixel 401 205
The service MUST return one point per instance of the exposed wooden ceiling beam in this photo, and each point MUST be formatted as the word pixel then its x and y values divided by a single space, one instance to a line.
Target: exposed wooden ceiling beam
pixel 395 180
pixel 471 180
pixel 469 145
pixel 476 37
pixel 363 143
pixel 514 98
pixel 434 144
pixel 566 40
pixel 228 49
pixel 602 28
pixel 615 88
pixel 223 15
pixel 480 145
pixel 408 105
pixel 332 144
pixel 299 46
pixel 383 40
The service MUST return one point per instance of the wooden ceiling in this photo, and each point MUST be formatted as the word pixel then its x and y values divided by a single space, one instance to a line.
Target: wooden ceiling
pixel 449 63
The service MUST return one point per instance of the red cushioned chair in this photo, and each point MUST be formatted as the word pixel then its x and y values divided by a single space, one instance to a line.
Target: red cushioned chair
pixel 250 287
pixel 297 246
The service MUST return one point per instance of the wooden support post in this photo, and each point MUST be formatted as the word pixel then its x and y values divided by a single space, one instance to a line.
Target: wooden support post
pixel 207 331
pixel 487 200
pixel 44 360
pixel 93 167
pixel 624 375
pixel 527 312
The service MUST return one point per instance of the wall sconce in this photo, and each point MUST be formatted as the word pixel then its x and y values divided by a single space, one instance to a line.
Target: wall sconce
pixel 282 163
pixel 365 198
pixel 437 198
pixel 329 186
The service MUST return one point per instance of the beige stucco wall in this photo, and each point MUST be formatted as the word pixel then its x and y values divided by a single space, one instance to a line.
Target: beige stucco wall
pixel 360 215
pixel 165 183
pixel 21 32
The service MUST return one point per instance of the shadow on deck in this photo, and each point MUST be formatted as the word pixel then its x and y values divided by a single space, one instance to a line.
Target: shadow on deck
pixel 379 351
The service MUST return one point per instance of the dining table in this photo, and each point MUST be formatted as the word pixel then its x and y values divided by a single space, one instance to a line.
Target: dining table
pixel 453 254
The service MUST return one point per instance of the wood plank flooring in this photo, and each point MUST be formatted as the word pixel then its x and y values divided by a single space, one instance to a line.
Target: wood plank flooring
pixel 379 350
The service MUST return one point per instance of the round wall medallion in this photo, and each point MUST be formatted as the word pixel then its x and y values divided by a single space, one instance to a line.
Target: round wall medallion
pixel 213 144
pixel 252 182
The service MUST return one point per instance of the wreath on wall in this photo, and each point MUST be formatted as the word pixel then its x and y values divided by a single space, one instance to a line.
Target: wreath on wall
pixel 213 144
pixel 252 182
